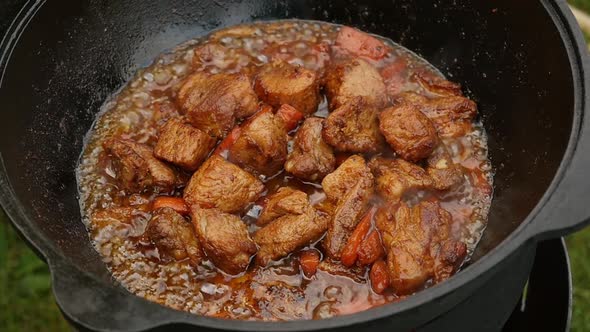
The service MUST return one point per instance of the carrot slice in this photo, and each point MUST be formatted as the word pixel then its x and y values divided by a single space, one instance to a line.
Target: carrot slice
pixel 371 249
pixel 379 277
pixel 309 261
pixel 350 251
pixel 228 141
pixel 290 116
pixel 176 203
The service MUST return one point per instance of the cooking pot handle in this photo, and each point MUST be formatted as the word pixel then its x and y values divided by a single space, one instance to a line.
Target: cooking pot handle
pixel 568 207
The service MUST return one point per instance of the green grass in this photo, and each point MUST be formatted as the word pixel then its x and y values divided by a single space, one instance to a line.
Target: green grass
pixel 26 301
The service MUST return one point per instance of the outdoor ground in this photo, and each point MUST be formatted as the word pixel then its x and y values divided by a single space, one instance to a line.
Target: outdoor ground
pixel 26 302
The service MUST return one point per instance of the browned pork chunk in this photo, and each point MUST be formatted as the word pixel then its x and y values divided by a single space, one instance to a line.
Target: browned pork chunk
pixel 174 236
pixel 224 238
pixel 290 232
pixel 394 177
pixel 280 83
pixel 354 127
pixel 350 187
pixel 181 144
pixel 212 103
pixel 452 116
pixel 419 245
pixel 355 78
pixel 137 169
pixel 285 201
pixel 261 147
pixel 444 172
pixel 223 185
pixel 409 132
pixel 312 158
pixel 437 85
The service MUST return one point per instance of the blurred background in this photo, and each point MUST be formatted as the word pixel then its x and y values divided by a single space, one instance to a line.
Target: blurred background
pixel 27 304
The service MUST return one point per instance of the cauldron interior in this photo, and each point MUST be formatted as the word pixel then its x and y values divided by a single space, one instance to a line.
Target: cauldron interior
pixel 71 57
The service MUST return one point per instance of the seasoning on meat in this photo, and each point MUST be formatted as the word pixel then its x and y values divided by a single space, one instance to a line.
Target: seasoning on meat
pixel 223 185
pixel 418 244
pixel 285 201
pixel 350 186
pixel 280 83
pixel 212 103
pixel 444 172
pixel 181 144
pixel 354 127
pixel 174 236
pixel 409 132
pixel 358 43
pixel 452 116
pixel 224 238
pixel 288 233
pixel 312 159
pixel 137 169
pixel 395 177
pixel 346 80
pixel 261 147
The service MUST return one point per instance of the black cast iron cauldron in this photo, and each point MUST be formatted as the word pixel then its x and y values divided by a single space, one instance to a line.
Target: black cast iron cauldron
pixel 524 62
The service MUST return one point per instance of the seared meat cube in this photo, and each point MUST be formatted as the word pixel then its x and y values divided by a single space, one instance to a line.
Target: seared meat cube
pixel 289 233
pixel 312 158
pixel 224 238
pixel 223 185
pixel 350 187
pixel 137 169
pixel 358 43
pixel 437 85
pixel 443 171
pixel 409 132
pixel 280 83
pixel 395 177
pixel 451 115
pixel 355 78
pixel 353 127
pixel 183 145
pixel 212 103
pixel 262 145
pixel 418 244
pixel 285 201
pixel 174 236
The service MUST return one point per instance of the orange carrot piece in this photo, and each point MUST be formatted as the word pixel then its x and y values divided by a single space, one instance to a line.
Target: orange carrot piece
pixel 379 277
pixel 290 116
pixel 176 203
pixel 350 251
pixel 309 261
pixel 228 141
pixel 371 249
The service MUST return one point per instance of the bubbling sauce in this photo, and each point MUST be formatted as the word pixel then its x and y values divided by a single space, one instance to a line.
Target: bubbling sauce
pixel 280 291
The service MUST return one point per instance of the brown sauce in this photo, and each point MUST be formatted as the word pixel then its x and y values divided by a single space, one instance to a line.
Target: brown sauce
pixel 278 292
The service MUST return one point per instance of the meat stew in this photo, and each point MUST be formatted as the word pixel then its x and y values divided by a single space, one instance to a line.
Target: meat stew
pixel 285 170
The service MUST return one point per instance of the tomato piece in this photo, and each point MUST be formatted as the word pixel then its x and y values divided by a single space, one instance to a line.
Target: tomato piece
pixel 360 43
